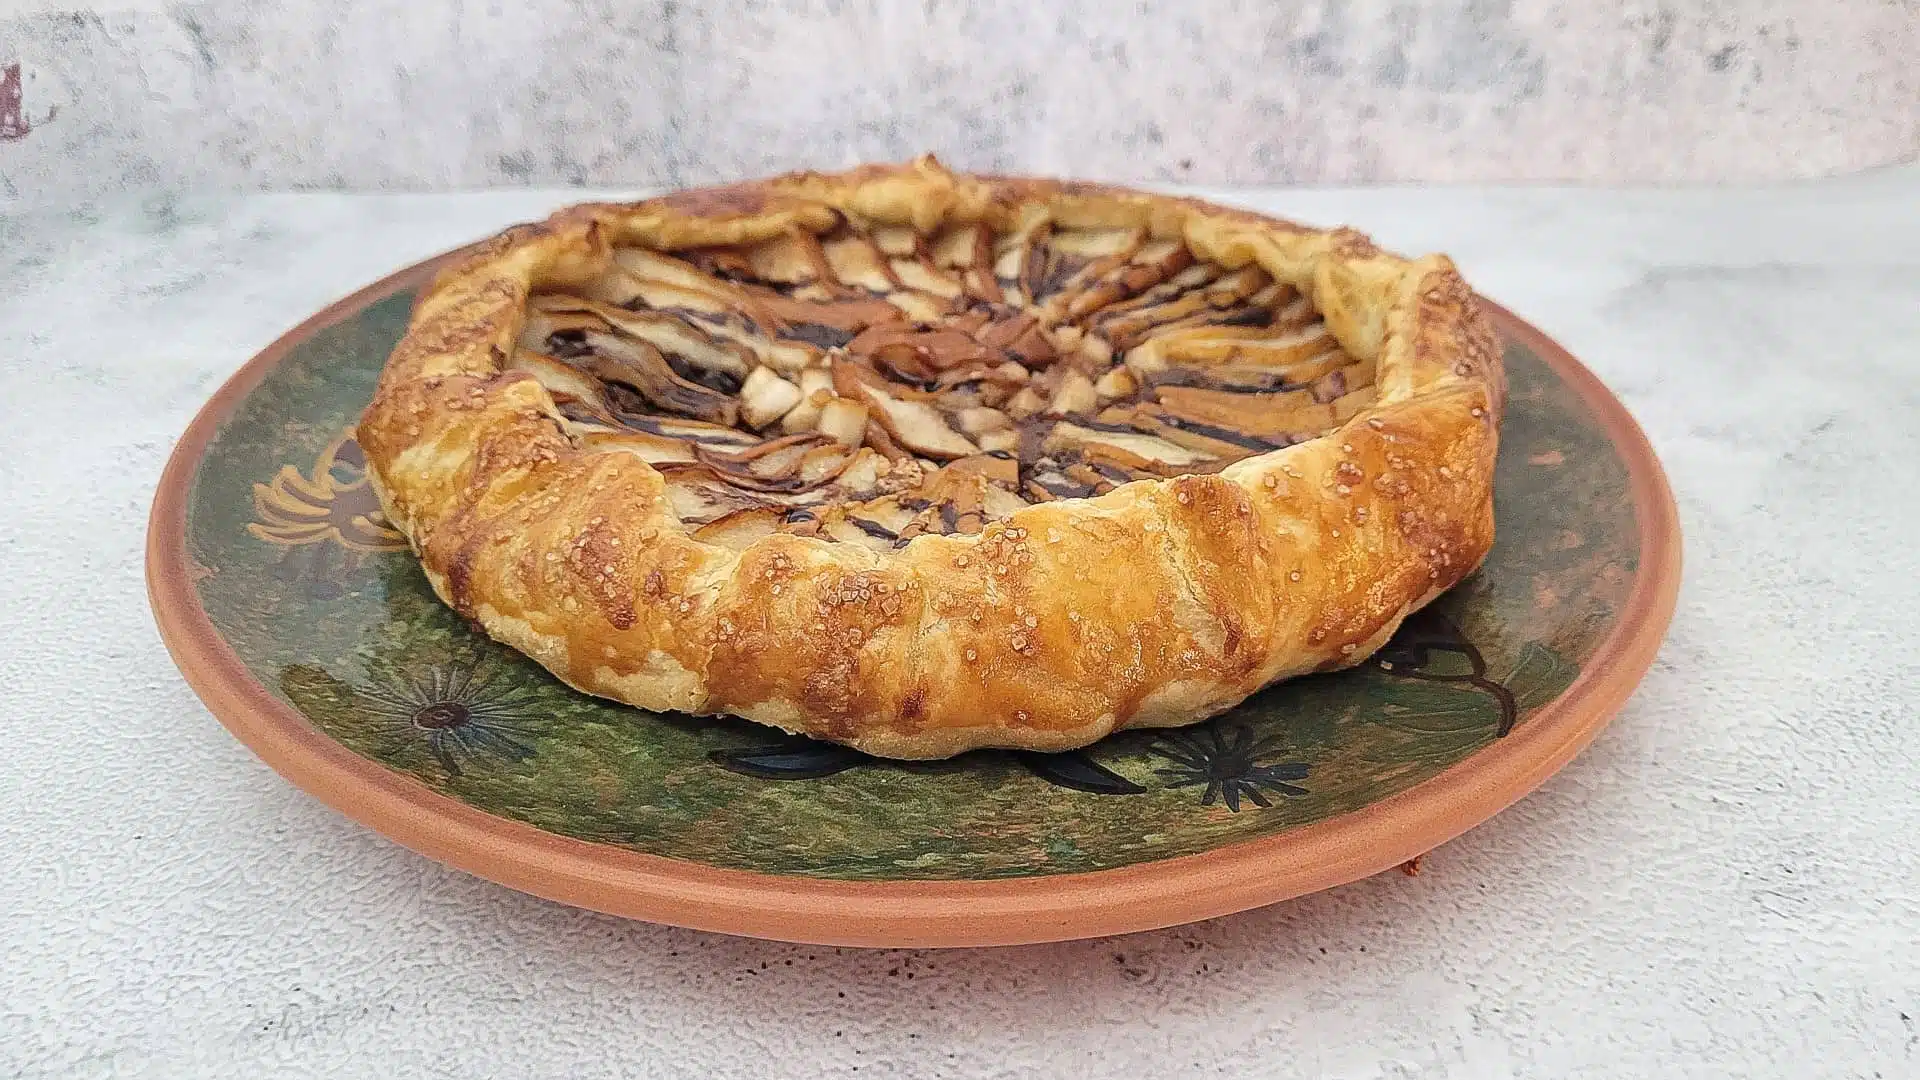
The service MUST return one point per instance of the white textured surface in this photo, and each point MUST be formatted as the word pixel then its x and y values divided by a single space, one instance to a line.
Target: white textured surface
pixel 1726 884
pixel 467 93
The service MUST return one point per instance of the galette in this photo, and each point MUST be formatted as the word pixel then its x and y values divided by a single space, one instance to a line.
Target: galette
pixel 919 461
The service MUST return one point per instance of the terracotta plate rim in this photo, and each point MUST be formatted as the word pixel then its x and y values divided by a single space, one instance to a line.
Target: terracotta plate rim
pixel 1054 907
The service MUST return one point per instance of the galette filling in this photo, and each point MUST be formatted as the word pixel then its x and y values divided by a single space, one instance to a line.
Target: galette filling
pixel 871 384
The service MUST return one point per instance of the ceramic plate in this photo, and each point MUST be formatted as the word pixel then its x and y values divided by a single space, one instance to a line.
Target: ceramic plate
pixel 300 618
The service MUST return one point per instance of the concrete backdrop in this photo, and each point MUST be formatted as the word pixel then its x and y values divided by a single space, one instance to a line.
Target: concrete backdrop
pixel 464 93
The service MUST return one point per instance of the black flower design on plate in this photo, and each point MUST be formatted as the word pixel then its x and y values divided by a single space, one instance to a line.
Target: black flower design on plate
pixel 460 713
pixel 1226 758
pixel 1419 650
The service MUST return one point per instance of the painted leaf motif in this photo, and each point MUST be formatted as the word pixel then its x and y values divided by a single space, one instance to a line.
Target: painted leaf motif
pixel 1078 771
pixel 797 759
pixel 1540 676
pixel 1469 711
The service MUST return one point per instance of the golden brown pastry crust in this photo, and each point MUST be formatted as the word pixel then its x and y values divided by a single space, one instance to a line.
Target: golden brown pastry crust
pixel 1159 603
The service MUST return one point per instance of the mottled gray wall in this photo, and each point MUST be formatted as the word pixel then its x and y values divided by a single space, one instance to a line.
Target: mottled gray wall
pixel 463 93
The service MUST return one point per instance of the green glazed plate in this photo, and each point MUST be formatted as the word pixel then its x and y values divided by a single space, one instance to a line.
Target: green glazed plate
pixel 301 619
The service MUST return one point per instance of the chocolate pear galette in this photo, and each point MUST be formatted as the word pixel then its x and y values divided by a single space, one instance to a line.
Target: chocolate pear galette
pixel 919 462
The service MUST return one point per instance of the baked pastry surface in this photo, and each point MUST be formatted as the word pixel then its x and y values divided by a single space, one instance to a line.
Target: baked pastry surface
pixel 920 462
